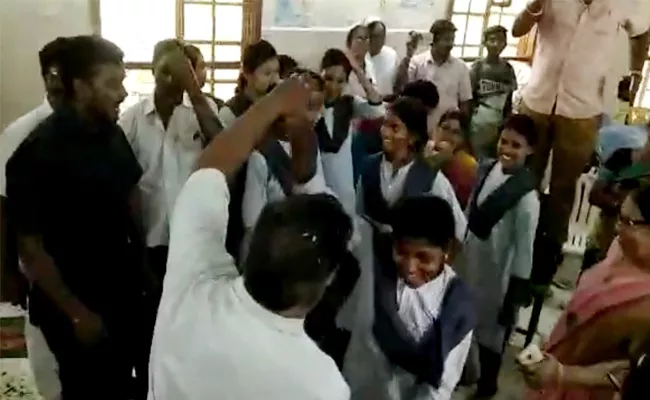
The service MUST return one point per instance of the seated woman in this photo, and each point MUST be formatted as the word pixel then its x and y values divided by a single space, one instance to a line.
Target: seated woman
pixel 423 316
pixel 607 319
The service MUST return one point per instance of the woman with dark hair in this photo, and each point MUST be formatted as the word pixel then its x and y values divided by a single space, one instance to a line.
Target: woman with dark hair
pixel 259 74
pixel 287 65
pixel 335 126
pixel 497 256
pixel 607 319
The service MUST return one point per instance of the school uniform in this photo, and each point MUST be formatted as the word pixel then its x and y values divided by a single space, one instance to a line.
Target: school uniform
pixel 268 178
pixel 334 131
pixel 393 325
pixel 497 256
pixel 167 155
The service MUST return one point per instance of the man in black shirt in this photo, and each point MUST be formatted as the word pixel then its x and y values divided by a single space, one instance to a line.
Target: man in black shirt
pixel 70 187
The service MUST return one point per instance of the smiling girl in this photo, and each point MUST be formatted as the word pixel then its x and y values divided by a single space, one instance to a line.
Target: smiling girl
pixel 419 304
pixel 259 74
pixel 498 251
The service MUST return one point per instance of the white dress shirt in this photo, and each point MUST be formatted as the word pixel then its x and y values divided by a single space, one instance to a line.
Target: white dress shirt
pixel 385 64
pixel 212 339
pixel 14 135
pixel 167 156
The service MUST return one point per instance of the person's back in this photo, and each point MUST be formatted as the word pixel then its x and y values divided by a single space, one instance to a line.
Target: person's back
pixel 213 338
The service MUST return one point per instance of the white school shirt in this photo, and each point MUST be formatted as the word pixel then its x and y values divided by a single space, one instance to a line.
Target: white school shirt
pixel 167 157
pixel 371 375
pixel 392 186
pixel 385 64
pixel 263 187
pixel 337 167
pixel 212 338
pixel 15 133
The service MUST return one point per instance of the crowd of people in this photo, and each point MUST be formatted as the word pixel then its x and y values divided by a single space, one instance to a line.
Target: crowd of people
pixel 366 230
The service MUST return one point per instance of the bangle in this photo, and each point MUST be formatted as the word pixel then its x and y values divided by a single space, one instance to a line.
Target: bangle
pixel 534 14
pixel 636 73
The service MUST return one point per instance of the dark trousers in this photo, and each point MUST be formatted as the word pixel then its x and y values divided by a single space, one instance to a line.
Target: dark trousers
pixel 103 371
pixel 320 324
pixel 157 257
pixel 490 361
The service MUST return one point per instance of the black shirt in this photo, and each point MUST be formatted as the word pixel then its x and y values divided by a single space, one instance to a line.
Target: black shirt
pixel 69 183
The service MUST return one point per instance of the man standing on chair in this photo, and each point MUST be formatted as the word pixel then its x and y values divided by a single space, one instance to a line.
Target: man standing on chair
pixel 575 47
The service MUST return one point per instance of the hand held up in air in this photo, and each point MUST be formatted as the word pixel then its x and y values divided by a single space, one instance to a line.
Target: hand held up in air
pixel 180 68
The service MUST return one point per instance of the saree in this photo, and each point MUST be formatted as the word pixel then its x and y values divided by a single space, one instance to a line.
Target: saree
pixel 607 319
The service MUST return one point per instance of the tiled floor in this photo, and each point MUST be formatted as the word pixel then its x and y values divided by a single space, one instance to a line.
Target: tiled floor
pixel 16 381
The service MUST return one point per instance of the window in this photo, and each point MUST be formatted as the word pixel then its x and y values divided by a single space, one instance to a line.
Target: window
pixel 472 17
pixel 218 27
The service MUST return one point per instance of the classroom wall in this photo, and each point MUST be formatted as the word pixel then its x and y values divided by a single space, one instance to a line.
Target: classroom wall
pixel 25 26
pixel 306 28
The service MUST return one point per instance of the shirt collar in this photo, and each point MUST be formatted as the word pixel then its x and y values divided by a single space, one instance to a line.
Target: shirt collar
pixel 430 59
pixel 150 106
pixel 293 326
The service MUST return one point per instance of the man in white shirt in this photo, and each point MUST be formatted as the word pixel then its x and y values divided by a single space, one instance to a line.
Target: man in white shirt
pixel 167 131
pixel 574 52
pixel 14 285
pixel 384 58
pixel 221 335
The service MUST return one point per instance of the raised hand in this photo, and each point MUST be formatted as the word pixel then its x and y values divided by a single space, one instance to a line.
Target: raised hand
pixel 179 67
pixel 292 96
pixel 412 44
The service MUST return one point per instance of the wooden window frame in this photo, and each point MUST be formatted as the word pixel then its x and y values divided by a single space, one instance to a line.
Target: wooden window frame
pixel 251 32
pixel 525 45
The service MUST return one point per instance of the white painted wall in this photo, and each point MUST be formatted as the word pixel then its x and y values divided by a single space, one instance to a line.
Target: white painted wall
pixel 25 26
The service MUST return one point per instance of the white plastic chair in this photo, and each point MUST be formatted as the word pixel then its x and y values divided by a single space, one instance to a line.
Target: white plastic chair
pixel 583 215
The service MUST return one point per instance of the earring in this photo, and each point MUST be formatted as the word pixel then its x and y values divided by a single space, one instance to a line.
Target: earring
pixel 446 258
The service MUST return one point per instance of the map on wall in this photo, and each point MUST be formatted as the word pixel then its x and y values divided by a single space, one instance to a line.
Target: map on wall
pixel 291 13
pixel 337 14
pixel 419 4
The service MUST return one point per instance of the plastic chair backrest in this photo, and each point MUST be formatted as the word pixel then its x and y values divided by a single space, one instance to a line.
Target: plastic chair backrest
pixel 583 215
